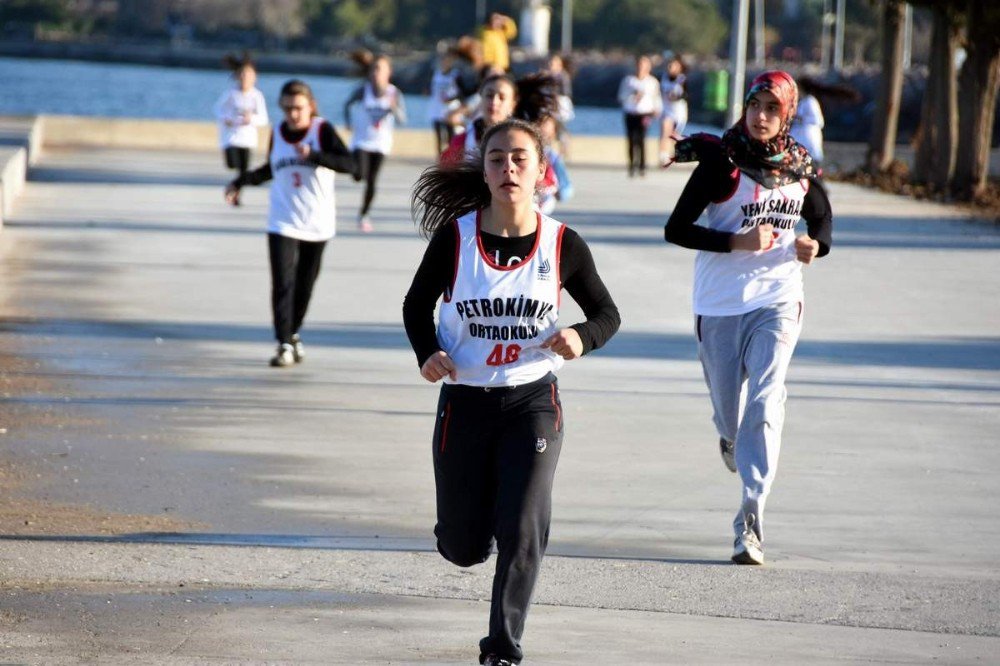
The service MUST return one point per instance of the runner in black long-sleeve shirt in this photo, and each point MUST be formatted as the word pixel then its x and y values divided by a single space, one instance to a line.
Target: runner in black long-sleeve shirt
pixel 499 267
pixel 304 153
pixel 754 185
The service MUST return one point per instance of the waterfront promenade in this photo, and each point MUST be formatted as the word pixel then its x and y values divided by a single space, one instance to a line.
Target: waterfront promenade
pixel 165 497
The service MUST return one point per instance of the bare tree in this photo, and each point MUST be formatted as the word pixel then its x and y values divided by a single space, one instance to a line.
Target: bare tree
pixel 882 147
pixel 938 136
pixel 978 85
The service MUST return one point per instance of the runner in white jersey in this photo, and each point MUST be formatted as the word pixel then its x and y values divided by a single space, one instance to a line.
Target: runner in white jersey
pixel 305 151
pixel 240 111
pixel 372 113
pixel 501 97
pixel 496 318
pixel 444 98
pixel 753 185
pixel 499 426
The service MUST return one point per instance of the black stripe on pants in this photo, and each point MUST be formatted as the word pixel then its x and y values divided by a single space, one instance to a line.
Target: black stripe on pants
pixel 370 164
pixel 635 131
pixel 294 269
pixel 495 455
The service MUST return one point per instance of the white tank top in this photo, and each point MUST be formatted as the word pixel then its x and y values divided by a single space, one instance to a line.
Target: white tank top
pixel 737 282
pixel 444 89
pixel 495 318
pixel 372 120
pixel 302 200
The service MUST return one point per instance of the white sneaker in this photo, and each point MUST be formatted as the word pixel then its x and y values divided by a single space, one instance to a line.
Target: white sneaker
pixel 747 548
pixel 284 356
pixel 728 451
pixel 298 349
pixel 365 224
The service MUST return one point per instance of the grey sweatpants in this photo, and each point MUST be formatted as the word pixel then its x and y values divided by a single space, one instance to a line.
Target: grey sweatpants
pixel 745 359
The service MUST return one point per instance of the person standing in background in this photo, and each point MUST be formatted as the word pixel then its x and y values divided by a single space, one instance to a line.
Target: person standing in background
pixel 495 35
pixel 673 90
pixel 639 95
pixel 807 126
pixel 372 113
pixel 240 111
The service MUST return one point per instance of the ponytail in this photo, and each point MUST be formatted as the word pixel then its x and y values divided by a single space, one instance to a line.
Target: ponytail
pixel 446 192
pixel 537 97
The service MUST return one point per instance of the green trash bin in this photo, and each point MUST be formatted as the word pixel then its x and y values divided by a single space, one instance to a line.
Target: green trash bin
pixel 717 90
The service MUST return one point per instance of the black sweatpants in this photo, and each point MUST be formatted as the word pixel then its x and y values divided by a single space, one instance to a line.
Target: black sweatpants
pixel 294 269
pixel 369 165
pixel 237 158
pixel 495 455
pixel 635 131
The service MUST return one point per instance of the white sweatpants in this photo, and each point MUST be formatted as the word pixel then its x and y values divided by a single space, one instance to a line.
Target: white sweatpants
pixel 745 359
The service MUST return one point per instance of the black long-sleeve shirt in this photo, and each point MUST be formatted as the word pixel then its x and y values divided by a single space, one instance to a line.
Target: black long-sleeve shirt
pixel 333 154
pixel 576 268
pixel 714 181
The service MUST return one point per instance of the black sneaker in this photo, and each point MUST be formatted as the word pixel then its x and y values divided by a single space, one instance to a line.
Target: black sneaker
pixel 728 451
pixel 495 660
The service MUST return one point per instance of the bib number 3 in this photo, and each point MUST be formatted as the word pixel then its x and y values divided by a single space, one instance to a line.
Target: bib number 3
pixel 501 355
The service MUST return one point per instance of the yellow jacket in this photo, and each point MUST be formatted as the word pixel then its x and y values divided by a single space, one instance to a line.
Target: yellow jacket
pixel 495 51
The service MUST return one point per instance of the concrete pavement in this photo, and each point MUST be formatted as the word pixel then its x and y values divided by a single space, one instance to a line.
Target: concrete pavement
pixel 295 506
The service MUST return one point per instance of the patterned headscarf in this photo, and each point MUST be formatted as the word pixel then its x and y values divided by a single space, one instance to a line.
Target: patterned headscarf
pixel 773 163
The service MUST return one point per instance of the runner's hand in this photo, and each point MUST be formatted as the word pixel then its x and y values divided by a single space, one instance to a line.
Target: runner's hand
pixel 232 195
pixel 758 238
pixel 806 249
pixel 566 343
pixel 437 366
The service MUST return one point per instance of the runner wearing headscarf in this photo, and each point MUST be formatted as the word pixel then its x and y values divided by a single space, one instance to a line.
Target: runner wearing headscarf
pixel 753 184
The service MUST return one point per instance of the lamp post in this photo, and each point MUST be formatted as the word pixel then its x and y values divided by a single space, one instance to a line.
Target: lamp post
pixel 567 26
pixel 737 59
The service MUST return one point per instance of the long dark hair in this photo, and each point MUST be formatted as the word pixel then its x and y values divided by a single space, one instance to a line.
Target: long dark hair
pixel 535 95
pixel 234 64
pixel 445 192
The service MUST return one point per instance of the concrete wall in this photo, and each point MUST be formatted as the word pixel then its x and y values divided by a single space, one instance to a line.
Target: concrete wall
pixel 62 131
pixel 20 147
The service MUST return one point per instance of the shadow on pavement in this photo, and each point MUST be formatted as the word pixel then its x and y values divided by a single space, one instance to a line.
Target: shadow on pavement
pixel 972 353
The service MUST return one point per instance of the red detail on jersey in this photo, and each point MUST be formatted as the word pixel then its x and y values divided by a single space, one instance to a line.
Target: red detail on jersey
pixel 455 152
pixel 489 261
pixel 296 179
pixel 735 177
pixel 500 356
